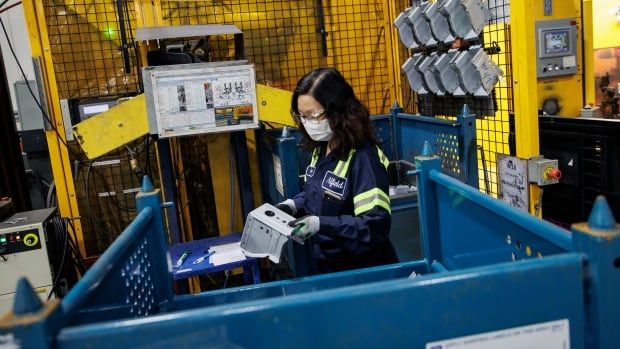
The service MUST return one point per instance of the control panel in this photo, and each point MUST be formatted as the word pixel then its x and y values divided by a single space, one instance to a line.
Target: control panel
pixel 23 253
pixel 556 48
pixel 543 171
pixel 20 241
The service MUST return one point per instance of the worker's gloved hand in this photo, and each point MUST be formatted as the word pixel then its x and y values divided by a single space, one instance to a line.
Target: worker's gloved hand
pixel 305 226
pixel 288 206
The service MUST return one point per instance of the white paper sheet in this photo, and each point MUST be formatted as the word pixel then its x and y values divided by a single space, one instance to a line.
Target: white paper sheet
pixel 227 253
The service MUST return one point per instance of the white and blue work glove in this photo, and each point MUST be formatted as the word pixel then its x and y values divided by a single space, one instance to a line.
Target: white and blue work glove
pixel 305 226
pixel 288 206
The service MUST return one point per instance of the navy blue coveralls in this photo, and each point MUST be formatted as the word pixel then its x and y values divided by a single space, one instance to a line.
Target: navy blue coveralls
pixel 351 200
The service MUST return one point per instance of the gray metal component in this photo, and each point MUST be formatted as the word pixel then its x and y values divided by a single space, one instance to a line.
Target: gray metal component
pixel 479 14
pixel 439 23
pixel 405 30
pixel 556 48
pixel 66 118
pixel 265 232
pixel 445 75
pixel 416 80
pixel 466 17
pixel 38 76
pixel 478 74
pixel 422 67
pixel 429 76
pixel 457 17
pixel 178 31
pixel 421 26
pixel 468 77
pixel 489 72
pixel 30 115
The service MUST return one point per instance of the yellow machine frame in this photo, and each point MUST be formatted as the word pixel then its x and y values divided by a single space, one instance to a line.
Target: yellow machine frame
pixel 59 153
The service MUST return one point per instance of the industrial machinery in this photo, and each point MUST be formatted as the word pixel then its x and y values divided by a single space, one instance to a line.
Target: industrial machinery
pixel 562 57
pixel 587 150
pixel 498 276
pixel 33 143
pixel 24 253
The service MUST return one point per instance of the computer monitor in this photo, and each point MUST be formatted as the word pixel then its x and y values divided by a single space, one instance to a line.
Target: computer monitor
pixel 556 42
pixel 198 98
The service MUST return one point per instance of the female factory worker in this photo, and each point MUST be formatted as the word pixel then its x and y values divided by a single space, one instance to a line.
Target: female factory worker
pixel 344 207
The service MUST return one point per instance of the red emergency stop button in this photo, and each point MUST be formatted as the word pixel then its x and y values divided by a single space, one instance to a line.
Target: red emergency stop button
pixel 553 173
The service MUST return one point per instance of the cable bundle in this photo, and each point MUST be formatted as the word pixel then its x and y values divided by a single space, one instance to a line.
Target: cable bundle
pixel 64 255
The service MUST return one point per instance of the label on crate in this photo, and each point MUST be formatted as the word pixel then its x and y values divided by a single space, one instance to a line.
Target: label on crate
pixel 548 335
pixel 513 181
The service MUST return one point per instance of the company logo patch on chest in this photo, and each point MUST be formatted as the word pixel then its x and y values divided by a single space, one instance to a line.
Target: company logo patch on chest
pixel 334 183
pixel 310 171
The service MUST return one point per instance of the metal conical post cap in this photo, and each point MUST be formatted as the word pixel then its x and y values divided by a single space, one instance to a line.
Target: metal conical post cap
pixel 601 217
pixel 147 184
pixel 427 151
pixel 26 300
pixel 465 111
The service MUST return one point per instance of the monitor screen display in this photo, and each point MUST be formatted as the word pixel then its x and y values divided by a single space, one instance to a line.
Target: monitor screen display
pixel 203 98
pixel 557 41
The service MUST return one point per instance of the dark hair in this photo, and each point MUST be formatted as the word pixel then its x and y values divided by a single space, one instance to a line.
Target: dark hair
pixel 348 118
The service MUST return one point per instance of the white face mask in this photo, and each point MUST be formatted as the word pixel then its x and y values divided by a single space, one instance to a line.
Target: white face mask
pixel 319 132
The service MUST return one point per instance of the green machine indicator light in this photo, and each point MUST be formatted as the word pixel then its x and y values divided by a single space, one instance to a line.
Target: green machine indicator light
pixel 2 239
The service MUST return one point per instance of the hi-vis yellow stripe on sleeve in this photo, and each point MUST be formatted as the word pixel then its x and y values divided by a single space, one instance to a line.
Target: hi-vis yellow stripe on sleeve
pixel 365 201
pixel 384 160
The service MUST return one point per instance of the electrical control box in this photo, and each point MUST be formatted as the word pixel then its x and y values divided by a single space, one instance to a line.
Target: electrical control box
pixel 543 171
pixel 556 48
pixel 23 253
pixel 265 232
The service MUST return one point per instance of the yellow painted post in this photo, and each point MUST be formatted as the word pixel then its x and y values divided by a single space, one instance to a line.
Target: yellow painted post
pixel 148 13
pixel 59 154
pixel 588 52
pixel 393 53
pixel 523 40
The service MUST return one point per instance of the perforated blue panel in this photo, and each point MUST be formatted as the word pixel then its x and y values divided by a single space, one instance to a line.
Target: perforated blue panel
pixel 447 147
pixel 454 142
pixel 139 287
